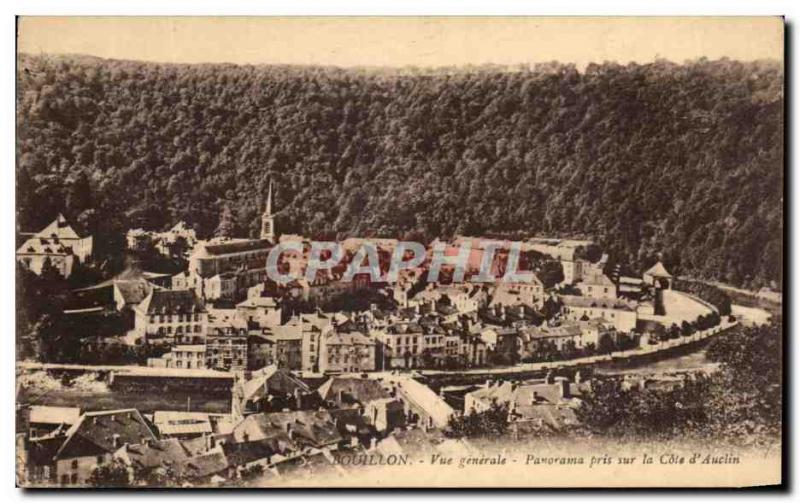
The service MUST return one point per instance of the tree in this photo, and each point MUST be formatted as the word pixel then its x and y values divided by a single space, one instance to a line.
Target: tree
pixel 551 273
pixel 607 344
pixel 550 167
pixel 739 403
pixel 227 225
pixel 492 422
pixel 160 476
pixel 110 475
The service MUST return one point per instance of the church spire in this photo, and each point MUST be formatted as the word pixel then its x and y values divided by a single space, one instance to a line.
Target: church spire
pixel 268 210
pixel 268 218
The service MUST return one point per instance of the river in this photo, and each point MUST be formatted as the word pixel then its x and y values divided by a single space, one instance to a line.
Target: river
pixel 695 360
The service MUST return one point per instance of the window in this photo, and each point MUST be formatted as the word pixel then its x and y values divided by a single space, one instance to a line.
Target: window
pixel 73 478
pixel 99 460
pixel 64 480
pixel 74 464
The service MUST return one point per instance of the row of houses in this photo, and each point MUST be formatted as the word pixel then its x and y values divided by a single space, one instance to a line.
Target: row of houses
pixel 277 421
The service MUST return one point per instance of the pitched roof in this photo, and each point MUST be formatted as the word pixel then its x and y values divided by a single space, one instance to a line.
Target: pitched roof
pixel 95 433
pixel 43 246
pixel 171 301
pixel 425 398
pixel 353 390
pixel 658 271
pixel 59 228
pixel 260 301
pixel 597 279
pixel 520 393
pixel 306 467
pixel 587 302
pixel 349 339
pixel 133 292
pixel 181 423
pixel 161 452
pixel 566 329
pixel 315 427
pixel 275 380
pixel 237 246
pixel 242 453
pixel 204 465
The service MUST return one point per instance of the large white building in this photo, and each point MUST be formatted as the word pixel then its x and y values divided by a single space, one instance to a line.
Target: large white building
pixel 620 312
pixel 173 315
pixel 57 243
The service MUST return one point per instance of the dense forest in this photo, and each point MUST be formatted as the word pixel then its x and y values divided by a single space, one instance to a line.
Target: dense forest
pixel 685 160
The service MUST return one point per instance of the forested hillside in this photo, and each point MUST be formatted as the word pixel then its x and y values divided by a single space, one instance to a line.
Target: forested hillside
pixel 680 159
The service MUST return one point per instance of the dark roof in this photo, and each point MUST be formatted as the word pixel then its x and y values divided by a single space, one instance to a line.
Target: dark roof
pixel 172 301
pixel 43 451
pixel 94 433
pixel 314 427
pixel 204 465
pixel 134 291
pixel 246 452
pixel 162 452
pixel 353 390
pixel 238 246
pixel 272 381
pixel 305 466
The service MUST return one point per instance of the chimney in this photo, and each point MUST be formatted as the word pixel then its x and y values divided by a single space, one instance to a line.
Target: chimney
pixel 578 377
pixel 565 392
pixel 115 440
pixel 548 378
pixel 298 399
pixel 113 417
pixel 488 383
pixel 535 399
pixel 340 396
pixel 373 443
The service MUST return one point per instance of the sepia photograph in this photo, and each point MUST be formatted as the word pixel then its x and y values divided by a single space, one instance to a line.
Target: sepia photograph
pixel 399 252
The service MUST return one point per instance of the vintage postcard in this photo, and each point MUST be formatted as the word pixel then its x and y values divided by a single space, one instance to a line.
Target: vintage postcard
pixel 376 252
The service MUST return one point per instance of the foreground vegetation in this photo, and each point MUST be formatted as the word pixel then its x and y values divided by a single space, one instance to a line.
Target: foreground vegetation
pixel 740 403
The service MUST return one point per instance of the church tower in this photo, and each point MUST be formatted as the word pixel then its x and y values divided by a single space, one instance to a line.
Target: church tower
pixel 268 218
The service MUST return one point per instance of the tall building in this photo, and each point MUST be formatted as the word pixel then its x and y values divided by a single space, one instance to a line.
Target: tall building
pixel 57 243
pixel 268 219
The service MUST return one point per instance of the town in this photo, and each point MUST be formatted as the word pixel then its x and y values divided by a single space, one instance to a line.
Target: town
pixel 238 379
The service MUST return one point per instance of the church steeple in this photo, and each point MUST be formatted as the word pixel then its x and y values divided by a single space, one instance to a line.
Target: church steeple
pixel 268 218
